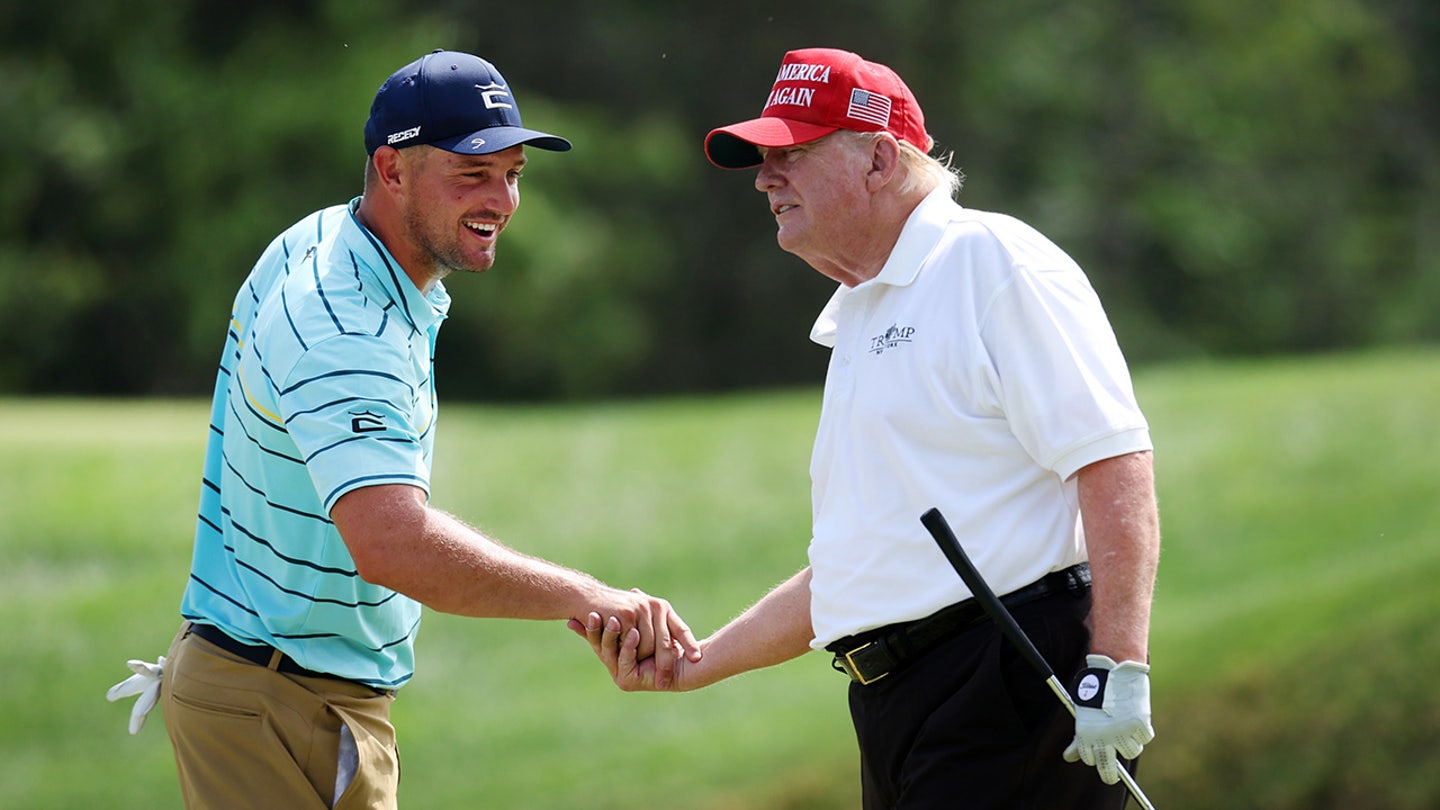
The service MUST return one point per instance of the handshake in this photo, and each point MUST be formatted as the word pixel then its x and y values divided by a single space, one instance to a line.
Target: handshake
pixel 652 652
pixel 656 651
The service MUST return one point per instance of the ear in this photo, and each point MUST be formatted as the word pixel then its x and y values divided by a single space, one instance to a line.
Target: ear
pixel 389 168
pixel 884 162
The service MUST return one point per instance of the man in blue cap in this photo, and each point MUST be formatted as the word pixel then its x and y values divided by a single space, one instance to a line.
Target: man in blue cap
pixel 315 545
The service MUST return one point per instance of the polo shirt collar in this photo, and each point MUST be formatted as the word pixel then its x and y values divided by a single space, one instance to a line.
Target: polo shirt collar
pixel 422 311
pixel 918 237
pixel 922 231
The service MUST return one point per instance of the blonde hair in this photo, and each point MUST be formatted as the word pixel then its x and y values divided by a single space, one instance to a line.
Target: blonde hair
pixel 922 172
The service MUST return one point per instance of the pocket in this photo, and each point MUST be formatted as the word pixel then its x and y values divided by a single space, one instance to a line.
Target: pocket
pixel 376 757
pixel 213 709
pixel 213 691
pixel 1056 629
pixel 347 762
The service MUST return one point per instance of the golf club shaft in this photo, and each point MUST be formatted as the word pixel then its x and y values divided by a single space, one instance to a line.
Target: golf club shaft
pixel 939 528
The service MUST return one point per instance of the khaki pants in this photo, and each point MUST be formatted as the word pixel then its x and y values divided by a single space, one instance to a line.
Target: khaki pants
pixel 248 737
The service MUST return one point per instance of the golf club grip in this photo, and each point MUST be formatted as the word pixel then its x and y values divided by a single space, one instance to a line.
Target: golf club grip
pixel 950 547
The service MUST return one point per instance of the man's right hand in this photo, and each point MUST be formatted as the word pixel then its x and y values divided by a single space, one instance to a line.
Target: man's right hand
pixel 774 630
pixel 620 650
pixel 659 641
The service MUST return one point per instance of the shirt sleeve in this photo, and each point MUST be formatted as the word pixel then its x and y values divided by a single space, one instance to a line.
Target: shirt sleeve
pixel 351 405
pixel 1063 380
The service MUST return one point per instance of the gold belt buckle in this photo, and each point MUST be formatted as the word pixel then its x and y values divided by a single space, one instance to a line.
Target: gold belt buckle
pixel 854 671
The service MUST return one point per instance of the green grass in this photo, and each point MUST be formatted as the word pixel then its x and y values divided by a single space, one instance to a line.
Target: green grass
pixel 1296 496
pixel 1294 639
pixel 1292 646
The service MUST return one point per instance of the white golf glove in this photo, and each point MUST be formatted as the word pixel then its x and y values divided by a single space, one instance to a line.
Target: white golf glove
pixel 1112 714
pixel 145 683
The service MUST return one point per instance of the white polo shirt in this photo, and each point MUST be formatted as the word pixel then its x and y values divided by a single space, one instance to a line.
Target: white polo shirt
pixel 977 373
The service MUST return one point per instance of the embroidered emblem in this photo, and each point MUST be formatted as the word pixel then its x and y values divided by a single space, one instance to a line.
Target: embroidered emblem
pixel 893 337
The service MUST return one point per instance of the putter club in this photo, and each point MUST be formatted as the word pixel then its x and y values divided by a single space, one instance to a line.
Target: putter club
pixel 996 610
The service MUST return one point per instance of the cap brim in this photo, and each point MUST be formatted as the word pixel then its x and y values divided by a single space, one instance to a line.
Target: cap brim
pixel 498 139
pixel 736 146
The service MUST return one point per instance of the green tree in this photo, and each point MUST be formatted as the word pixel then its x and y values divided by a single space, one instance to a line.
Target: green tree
pixel 1236 179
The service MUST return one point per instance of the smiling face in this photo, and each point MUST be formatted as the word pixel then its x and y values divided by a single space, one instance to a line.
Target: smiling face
pixel 818 194
pixel 455 207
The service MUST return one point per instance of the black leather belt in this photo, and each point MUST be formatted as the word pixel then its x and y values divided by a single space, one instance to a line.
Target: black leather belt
pixel 870 656
pixel 255 653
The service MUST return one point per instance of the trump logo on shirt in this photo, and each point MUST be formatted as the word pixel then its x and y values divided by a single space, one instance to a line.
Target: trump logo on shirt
pixel 891 338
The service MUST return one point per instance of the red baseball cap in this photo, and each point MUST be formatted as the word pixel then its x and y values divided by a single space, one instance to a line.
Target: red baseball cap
pixel 819 91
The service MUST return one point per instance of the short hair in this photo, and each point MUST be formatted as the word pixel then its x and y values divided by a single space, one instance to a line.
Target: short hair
pixel 372 174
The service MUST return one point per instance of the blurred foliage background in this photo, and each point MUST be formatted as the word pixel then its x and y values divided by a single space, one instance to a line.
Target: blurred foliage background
pixel 1237 178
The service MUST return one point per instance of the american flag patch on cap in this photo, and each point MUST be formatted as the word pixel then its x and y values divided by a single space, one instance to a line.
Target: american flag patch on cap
pixel 868 106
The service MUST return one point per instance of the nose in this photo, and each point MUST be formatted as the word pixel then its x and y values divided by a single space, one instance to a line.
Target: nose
pixel 505 197
pixel 768 176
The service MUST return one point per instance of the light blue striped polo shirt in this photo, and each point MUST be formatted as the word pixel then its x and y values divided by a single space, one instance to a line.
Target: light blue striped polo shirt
pixel 325 386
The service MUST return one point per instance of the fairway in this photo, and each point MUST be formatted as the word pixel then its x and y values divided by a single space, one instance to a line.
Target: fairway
pixel 1301 546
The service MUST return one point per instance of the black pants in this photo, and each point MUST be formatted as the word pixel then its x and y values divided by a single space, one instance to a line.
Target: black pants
pixel 970 724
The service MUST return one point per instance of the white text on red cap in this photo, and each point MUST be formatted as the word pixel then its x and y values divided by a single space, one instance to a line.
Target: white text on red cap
pixel 797 96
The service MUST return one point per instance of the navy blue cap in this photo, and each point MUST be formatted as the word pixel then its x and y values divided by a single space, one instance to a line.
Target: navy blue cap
pixel 453 101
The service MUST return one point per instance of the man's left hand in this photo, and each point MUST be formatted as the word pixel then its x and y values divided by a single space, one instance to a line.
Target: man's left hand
pixel 1112 714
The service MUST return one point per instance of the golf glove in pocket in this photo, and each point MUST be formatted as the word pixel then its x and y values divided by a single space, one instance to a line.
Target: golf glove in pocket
pixel 1112 714
pixel 145 683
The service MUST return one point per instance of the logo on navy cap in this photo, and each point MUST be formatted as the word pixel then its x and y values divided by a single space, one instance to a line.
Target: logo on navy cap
pixel 491 92
pixel 403 135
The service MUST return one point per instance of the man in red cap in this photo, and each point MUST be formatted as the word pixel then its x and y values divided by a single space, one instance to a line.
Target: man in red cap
pixel 972 369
